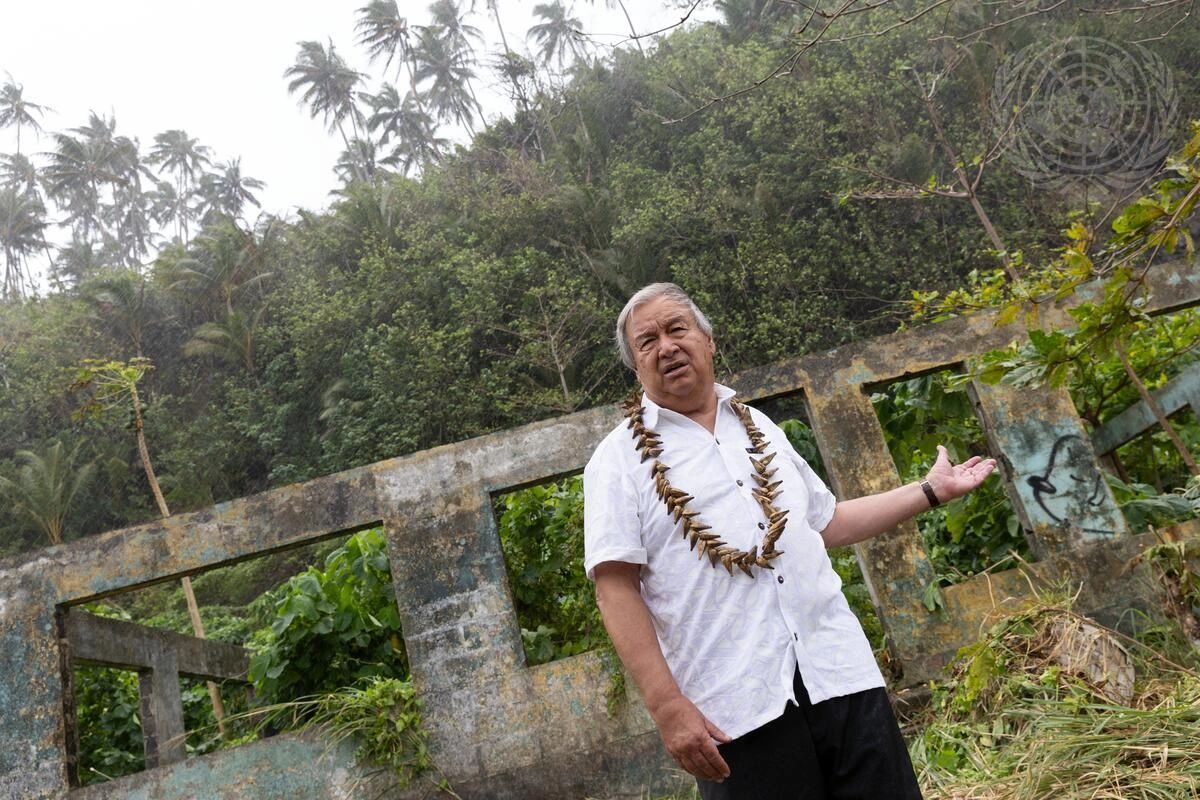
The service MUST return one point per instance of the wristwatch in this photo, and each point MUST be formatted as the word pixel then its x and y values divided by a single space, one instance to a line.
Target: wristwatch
pixel 929 494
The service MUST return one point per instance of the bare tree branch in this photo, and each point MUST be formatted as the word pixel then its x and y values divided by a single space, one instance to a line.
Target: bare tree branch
pixel 915 191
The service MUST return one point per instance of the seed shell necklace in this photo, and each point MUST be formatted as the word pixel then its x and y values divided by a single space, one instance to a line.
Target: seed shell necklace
pixel 698 534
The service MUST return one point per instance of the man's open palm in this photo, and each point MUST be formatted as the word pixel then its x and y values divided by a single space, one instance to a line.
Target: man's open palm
pixel 954 480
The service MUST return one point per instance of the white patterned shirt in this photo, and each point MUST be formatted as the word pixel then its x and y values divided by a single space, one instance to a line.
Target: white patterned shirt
pixel 732 642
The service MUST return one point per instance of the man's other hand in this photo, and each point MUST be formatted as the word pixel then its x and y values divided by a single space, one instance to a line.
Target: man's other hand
pixel 950 481
pixel 691 739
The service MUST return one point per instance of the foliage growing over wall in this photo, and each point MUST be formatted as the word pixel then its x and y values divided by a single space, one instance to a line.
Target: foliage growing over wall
pixel 541 533
pixel 973 533
pixel 331 627
pixel 110 728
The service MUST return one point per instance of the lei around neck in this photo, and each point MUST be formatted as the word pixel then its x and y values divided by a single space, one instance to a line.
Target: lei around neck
pixel 698 534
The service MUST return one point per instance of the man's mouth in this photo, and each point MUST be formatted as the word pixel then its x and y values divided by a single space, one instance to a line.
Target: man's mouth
pixel 674 369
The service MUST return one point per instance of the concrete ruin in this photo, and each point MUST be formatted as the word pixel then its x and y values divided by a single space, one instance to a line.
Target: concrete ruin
pixel 499 728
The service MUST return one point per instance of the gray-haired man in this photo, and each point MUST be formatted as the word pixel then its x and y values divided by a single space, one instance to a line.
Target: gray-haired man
pixel 705 534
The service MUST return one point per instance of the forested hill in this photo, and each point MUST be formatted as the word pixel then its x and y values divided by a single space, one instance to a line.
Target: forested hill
pixel 479 291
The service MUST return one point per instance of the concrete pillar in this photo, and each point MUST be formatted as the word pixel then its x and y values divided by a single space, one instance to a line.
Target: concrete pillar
pixel 1050 471
pixel 162 711
pixel 895 565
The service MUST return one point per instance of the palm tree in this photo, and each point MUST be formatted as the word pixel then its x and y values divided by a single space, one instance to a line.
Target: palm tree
pixel 166 207
pixel 78 167
pixel 19 172
pixel 384 32
pixel 228 263
pixel 447 15
pixel 358 162
pixel 231 339
pixel 123 302
pixel 415 133
pixel 449 90
pixel 86 163
pixel 128 216
pixel 185 158
pixel 557 34
pixel 76 261
pixel 16 111
pixel 109 384
pixel 46 486
pixel 329 86
pixel 227 191
pixel 508 57
pixel 448 20
pixel 22 225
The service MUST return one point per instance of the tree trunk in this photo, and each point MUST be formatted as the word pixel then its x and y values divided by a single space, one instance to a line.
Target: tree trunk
pixel 1157 411
pixel 518 92
pixel 214 692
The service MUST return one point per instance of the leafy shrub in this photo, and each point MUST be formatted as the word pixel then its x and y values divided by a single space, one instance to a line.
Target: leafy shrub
pixel 203 733
pixel 973 533
pixel 332 627
pixel 384 717
pixel 1144 507
pixel 110 728
pixel 541 533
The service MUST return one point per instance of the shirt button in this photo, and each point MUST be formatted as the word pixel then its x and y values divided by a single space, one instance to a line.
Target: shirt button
pixel 739 483
pixel 761 526
pixel 796 636
pixel 779 578
pixel 717 440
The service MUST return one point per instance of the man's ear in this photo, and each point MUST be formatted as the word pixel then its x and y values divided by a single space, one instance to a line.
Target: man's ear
pixel 712 345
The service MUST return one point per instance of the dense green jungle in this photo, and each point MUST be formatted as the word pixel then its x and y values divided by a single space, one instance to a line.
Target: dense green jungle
pixel 449 290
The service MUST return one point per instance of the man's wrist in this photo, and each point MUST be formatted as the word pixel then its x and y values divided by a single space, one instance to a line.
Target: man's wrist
pixel 930 493
pixel 659 700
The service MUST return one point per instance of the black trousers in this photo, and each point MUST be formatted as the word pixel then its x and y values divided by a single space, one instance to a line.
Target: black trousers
pixel 844 748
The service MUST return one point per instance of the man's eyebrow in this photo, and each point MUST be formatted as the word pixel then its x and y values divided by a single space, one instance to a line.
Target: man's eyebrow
pixel 649 326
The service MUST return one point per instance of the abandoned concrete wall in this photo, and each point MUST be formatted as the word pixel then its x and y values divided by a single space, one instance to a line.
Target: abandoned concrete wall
pixel 500 729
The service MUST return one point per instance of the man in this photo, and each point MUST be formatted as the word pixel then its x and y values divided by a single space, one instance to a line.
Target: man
pixel 705 534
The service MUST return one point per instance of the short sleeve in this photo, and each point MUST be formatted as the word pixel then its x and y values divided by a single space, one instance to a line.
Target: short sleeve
pixel 612 529
pixel 821 501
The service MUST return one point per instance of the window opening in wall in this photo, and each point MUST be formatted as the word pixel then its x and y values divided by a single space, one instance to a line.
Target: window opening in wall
pixel 541 534
pixel 110 733
pixel 977 533
pixel 1147 470
pixel 315 621
pixel 791 415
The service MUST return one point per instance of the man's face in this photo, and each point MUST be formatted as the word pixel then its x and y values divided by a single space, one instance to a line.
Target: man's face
pixel 672 356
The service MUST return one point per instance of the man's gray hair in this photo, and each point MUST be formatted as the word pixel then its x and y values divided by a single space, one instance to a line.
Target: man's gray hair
pixel 645 295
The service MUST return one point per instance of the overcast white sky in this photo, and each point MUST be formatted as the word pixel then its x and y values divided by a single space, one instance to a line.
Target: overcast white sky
pixel 216 68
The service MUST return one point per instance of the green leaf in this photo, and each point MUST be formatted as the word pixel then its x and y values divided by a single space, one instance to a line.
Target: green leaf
pixel 1137 216
pixel 932 597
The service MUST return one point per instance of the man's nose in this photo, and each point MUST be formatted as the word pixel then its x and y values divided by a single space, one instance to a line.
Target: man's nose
pixel 666 346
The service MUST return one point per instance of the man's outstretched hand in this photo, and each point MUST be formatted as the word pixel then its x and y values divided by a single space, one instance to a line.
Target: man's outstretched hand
pixel 691 739
pixel 954 480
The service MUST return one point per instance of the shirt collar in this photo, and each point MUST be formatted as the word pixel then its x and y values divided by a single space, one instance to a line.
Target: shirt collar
pixel 652 409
